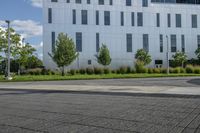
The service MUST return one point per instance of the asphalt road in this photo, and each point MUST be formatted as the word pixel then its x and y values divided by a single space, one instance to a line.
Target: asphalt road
pixel 56 112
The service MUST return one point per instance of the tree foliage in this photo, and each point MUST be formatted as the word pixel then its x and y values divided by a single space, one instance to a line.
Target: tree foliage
pixel 65 51
pixel 143 56
pixel 197 52
pixel 103 56
pixel 179 58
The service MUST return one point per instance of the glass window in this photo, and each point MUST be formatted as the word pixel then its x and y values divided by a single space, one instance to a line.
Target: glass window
pixel 178 20
pixel 97 42
pixel 133 19
pixel 54 0
pixel 146 42
pixel 74 16
pixel 78 1
pixel 53 41
pixel 194 21
pixel 122 18
pixel 140 19
pixel 79 42
pixel 84 17
pixel 129 42
pixel 106 17
pixel 198 41
pixel 101 2
pixel 97 17
pixel 49 15
pixel 161 43
pixel 88 1
pixel 169 20
pixel 145 3
pixel 173 43
pixel 182 43
pixel 111 2
pixel 68 1
pixel 158 19
pixel 128 2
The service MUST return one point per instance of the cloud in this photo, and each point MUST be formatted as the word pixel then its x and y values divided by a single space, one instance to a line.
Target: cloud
pixel 26 28
pixel 35 3
pixel 38 46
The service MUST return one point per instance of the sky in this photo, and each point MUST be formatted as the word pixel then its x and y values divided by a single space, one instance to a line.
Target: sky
pixel 26 19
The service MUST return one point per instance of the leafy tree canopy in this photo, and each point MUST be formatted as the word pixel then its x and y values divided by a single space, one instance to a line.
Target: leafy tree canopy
pixel 143 56
pixel 103 56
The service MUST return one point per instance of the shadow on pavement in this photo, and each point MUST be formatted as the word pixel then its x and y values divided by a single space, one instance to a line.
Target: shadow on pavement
pixel 194 81
pixel 4 92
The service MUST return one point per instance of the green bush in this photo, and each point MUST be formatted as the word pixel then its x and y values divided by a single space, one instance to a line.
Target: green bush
pixel 150 70
pixel 107 71
pixel 139 67
pixel 129 70
pixel 82 71
pixel 36 71
pixel 163 70
pixel 123 70
pixel 189 69
pixel 177 70
pixel 90 71
pixel 197 70
pixel 156 70
pixel 98 70
pixel 182 70
pixel 113 71
pixel 72 72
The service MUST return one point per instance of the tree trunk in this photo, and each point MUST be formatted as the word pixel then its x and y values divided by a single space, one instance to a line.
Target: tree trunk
pixel 63 71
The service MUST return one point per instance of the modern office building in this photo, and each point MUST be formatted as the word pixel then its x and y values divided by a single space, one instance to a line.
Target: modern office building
pixel 124 26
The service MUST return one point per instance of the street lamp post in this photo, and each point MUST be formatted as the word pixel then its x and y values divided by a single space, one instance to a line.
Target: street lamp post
pixel 167 54
pixel 8 67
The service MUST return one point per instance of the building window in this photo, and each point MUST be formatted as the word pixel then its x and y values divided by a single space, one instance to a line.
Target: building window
pixel 84 16
pixel 68 1
pixel 88 1
pixel 161 43
pixel 111 2
pixel 106 17
pixel 178 20
pixel 158 19
pixel 97 17
pixel 198 41
pixel 182 43
pixel 133 19
pixel 122 18
pixel 129 42
pixel 140 19
pixel 173 43
pixel 78 1
pixel 54 0
pixel 97 42
pixel 49 15
pixel 53 41
pixel 74 16
pixel 79 42
pixel 145 3
pixel 89 62
pixel 128 2
pixel 194 21
pixel 101 2
pixel 146 42
pixel 169 20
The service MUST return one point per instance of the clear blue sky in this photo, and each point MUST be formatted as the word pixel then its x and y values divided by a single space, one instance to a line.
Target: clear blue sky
pixel 27 13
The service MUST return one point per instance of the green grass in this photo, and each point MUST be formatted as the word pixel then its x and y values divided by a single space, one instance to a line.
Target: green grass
pixel 84 77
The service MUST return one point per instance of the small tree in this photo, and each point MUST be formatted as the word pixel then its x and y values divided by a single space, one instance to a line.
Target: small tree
pixel 179 58
pixel 143 56
pixel 103 56
pixel 197 52
pixel 64 53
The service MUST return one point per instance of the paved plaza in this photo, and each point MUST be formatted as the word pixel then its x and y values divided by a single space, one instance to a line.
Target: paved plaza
pixel 56 111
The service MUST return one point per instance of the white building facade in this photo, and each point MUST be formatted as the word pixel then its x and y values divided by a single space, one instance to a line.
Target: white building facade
pixel 124 26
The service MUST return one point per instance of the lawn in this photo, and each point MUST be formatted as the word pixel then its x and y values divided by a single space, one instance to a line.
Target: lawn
pixel 84 77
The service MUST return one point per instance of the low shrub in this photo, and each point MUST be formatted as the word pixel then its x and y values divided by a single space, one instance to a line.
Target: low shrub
pixel 106 71
pixel 177 70
pixel 90 71
pixel 197 70
pixel 82 71
pixel 139 67
pixel 123 70
pixel 150 70
pixel 72 72
pixel 36 71
pixel 113 71
pixel 182 70
pixel 189 69
pixel 98 70
pixel 128 70
pixel 156 70
pixel 163 70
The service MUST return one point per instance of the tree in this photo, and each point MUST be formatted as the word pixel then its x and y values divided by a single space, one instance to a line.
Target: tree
pixel 179 58
pixel 64 53
pixel 143 56
pixel 34 62
pixel 103 56
pixel 197 52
